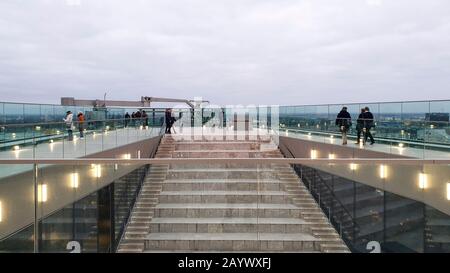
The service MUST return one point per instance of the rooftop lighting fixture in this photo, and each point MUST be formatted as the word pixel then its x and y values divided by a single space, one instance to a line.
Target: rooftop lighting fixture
pixel 16 147
pixel 448 191
pixel 97 171
pixel 383 171
pixel 74 180
pixel 313 154
pixel 353 166
pixel 423 181
pixel 42 193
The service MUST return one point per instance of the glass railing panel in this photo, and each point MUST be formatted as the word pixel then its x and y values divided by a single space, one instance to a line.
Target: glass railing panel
pixel 74 205
pixel 389 121
pixel 53 140
pixel 384 203
pixel 421 126
pixel 437 231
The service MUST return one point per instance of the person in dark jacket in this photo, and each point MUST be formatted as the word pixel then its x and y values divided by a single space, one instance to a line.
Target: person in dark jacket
pixel 344 121
pixel 360 126
pixel 173 120
pixel 138 116
pixel 145 118
pixel 81 119
pixel 368 124
pixel 168 117
pixel 126 119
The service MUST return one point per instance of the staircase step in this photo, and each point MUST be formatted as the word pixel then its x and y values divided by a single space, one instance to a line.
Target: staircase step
pixel 215 210
pixel 277 197
pixel 230 225
pixel 232 241
pixel 222 184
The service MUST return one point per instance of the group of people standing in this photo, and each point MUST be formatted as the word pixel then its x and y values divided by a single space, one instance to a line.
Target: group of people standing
pixel 68 120
pixel 137 118
pixel 364 124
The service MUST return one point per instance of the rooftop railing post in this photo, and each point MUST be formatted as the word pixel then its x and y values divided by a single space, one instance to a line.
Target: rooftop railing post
pixel 36 216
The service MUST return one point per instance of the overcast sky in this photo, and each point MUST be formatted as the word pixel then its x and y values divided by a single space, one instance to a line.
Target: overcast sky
pixel 228 51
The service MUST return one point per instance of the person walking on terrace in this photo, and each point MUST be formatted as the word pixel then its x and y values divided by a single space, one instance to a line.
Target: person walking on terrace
pixel 344 121
pixel 360 126
pixel 127 119
pixel 168 118
pixel 133 119
pixel 145 119
pixel 368 124
pixel 68 120
pixel 173 120
pixel 81 119
pixel 138 116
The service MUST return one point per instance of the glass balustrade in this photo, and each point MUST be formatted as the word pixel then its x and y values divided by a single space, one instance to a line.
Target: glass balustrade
pixel 419 126
pixel 403 207
pixel 82 207
pixel 53 139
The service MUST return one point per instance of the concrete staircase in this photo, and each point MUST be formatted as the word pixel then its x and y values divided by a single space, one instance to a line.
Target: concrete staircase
pixel 226 207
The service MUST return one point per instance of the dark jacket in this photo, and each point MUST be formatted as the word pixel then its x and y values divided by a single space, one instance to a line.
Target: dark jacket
pixel 344 119
pixel 168 117
pixel 368 120
pixel 360 122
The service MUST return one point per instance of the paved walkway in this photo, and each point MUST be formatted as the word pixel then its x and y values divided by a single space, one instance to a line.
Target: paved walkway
pixel 396 149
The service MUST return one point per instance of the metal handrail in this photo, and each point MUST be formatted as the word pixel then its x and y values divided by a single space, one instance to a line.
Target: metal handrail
pixel 302 161
pixel 312 192
pixel 369 103
pixel 336 199
pixel 63 122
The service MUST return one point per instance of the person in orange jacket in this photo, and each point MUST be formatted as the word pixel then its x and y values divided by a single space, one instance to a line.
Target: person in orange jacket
pixel 81 119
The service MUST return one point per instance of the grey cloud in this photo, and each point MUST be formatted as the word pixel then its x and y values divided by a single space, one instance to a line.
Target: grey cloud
pixel 247 51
